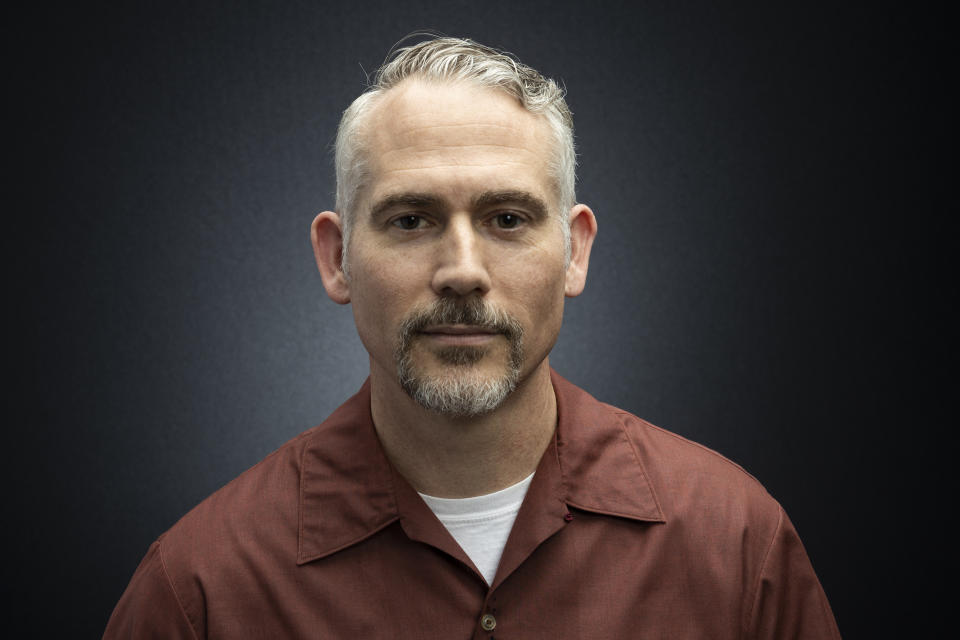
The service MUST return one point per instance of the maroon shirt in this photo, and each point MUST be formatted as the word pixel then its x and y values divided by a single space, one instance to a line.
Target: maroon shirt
pixel 627 531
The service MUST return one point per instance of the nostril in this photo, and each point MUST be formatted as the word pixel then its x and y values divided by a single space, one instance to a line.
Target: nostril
pixel 461 281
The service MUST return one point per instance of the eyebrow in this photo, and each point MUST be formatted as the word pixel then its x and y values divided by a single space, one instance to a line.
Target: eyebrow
pixel 533 204
pixel 420 200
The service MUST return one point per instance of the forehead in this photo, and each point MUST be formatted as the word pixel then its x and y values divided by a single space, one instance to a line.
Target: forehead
pixel 455 137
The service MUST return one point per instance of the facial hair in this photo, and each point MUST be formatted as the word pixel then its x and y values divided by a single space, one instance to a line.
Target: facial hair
pixel 459 390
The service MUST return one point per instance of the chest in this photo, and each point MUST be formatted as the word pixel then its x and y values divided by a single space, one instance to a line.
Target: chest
pixel 598 578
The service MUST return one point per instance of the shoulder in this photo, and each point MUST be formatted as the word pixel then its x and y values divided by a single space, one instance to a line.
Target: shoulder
pixel 688 480
pixel 262 500
pixel 253 517
pixel 730 531
pixel 210 550
pixel 242 540
pixel 696 483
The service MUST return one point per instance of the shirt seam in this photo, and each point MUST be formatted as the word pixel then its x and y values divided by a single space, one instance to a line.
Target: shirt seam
pixel 763 567
pixel 173 589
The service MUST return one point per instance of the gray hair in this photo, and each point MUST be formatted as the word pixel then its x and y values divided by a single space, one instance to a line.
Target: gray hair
pixel 451 60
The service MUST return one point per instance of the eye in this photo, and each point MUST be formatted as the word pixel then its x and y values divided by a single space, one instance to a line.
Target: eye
pixel 508 220
pixel 408 223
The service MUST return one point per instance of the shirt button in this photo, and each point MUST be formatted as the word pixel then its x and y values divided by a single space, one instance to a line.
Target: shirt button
pixel 488 622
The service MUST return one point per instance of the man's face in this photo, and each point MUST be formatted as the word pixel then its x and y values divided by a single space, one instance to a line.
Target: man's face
pixel 457 259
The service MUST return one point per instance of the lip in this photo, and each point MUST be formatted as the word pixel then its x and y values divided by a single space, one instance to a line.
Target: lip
pixel 459 334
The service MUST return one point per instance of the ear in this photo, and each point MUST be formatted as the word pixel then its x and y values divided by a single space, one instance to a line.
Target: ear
pixel 327 239
pixel 583 229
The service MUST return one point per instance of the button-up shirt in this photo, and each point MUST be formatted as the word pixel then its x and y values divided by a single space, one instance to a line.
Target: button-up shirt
pixel 626 531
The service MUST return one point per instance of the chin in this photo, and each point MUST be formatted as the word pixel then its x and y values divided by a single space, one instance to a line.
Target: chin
pixel 459 396
pixel 460 383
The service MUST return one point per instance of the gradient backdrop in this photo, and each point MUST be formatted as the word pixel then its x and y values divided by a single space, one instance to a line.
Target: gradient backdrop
pixel 754 170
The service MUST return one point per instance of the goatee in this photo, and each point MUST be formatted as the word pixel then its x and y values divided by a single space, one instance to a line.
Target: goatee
pixel 460 390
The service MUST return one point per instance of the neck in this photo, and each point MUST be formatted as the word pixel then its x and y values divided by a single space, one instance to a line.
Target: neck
pixel 453 457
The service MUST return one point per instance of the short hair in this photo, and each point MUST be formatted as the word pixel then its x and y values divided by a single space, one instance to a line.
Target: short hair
pixel 450 60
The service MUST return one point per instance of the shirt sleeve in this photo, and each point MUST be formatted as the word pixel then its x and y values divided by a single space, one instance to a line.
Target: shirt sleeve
pixel 789 603
pixel 150 607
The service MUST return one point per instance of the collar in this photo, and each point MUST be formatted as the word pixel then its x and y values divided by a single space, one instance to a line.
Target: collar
pixel 349 490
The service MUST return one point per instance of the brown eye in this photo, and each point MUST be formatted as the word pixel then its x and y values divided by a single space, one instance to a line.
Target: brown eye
pixel 407 222
pixel 508 220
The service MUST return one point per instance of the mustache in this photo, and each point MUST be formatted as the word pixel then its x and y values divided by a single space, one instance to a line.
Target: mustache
pixel 467 311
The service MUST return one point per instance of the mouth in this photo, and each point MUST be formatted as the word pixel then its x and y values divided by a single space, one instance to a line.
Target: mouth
pixel 460 334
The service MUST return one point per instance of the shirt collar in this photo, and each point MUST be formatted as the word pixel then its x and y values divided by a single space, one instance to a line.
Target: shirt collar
pixel 599 462
pixel 349 490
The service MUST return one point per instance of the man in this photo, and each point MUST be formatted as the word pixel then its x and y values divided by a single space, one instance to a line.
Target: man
pixel 467 490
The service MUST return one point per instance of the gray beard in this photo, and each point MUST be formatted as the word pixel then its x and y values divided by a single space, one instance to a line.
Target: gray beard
pixel 461 391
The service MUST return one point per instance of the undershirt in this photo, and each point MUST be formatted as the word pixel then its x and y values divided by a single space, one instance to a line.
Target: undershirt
pixel 481 524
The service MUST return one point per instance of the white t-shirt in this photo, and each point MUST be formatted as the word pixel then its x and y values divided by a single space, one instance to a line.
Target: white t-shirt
pixel 480 525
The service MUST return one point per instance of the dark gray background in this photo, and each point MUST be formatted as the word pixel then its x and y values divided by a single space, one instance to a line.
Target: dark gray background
pixel 762 177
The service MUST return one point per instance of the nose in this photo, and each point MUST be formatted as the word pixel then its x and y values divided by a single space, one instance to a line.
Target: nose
pixel 461 266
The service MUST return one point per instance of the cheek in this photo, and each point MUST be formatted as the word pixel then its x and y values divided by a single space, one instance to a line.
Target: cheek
pixel 382 296
pixel 368 293
pixel 537 294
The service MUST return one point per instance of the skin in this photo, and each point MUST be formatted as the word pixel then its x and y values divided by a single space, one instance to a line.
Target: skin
pixel 458 178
